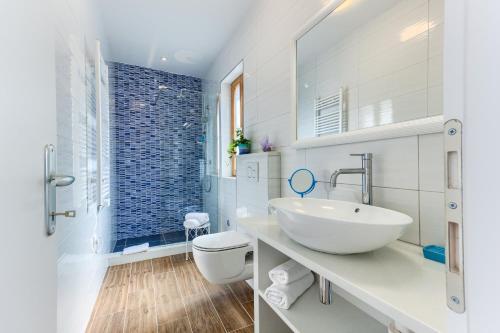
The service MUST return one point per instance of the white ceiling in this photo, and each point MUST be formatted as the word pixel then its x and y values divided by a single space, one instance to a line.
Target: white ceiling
pixel 189 33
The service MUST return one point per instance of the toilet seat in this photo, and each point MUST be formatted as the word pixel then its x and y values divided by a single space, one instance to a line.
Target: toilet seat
pixel 223 257
pixel 221 241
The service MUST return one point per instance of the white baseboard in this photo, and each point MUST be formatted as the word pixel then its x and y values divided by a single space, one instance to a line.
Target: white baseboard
pixel 154 252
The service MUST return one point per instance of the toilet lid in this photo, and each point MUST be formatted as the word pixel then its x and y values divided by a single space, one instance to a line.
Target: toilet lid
pixel 221 241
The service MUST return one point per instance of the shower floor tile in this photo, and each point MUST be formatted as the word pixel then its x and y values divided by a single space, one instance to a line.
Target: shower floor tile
pixel 118 248
pixel 153 240
pixel 145 239
pixel 174 237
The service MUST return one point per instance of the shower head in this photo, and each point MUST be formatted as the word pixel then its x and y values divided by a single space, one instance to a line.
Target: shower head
pixel 181 93
pixel 161 88
pixel 156 99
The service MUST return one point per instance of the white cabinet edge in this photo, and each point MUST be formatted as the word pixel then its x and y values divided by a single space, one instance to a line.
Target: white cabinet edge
pixel 252 155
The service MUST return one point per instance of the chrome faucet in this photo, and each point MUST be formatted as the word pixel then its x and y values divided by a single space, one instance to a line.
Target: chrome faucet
pixel 366 176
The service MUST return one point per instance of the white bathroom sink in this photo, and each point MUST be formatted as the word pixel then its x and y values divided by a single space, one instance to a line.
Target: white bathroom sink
pixel 338 227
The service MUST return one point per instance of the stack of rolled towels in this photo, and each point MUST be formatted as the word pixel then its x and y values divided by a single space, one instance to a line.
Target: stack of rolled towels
pixel 290 280
pixel 195 220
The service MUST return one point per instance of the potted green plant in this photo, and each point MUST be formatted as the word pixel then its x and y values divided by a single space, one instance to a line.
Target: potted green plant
pixel 240 145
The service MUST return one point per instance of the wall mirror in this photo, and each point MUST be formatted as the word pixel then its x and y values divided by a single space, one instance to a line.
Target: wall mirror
pixel 302 182
pixel 368 70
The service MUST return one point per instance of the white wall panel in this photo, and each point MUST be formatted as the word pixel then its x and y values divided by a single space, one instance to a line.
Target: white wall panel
pixel 432 219
pixel 431 163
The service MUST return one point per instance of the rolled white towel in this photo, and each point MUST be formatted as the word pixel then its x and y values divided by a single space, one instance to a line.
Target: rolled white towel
pixel 136 249
pixel 284 295
pixel 192 224
pixel 202 217
pixel 288 272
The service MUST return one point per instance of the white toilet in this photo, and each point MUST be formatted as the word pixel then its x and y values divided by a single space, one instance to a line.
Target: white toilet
pixel 224 257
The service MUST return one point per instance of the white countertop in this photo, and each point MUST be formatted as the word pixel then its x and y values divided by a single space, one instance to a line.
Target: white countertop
pixel 395 280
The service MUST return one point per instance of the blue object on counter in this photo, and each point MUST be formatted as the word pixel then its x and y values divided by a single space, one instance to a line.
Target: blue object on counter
pixel 435 253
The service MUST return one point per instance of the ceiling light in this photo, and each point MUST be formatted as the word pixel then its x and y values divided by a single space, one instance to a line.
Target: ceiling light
pixel 163 58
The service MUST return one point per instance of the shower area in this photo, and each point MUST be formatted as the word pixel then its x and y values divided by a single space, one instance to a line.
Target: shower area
pixel 163 154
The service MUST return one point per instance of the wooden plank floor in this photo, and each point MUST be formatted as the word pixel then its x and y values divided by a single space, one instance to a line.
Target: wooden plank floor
pixel 169 295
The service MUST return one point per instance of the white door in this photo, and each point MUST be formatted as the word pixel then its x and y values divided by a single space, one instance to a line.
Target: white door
pixel 27 123
pixel 472 95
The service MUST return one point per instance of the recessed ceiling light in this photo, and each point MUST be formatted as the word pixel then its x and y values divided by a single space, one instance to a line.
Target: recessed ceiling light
pixel 163 58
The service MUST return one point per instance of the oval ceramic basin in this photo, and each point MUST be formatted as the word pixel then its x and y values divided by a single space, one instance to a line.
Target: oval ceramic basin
pixel 338 227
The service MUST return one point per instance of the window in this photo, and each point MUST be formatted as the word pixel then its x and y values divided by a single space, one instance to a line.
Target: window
pixel 236 113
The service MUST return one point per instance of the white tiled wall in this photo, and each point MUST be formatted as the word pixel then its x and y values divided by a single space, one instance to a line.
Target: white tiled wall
pixel 227 199
pixel 258 180
pixel 408 172
pixel 81 267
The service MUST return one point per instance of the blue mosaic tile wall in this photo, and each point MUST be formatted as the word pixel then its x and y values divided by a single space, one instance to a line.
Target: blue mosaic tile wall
pixel 155 158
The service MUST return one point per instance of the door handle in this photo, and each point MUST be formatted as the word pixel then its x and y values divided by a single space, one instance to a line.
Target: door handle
pixel 51 182
pixel 67 213
pixel 61 180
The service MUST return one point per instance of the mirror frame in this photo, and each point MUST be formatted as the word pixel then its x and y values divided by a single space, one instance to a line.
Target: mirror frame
pixel 311 187
pixel 420 126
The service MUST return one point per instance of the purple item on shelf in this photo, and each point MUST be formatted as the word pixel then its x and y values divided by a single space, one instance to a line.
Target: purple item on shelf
pixel 265 144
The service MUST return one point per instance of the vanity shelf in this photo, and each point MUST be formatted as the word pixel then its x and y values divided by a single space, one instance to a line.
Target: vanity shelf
pixel 392 283
pixel 307 314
